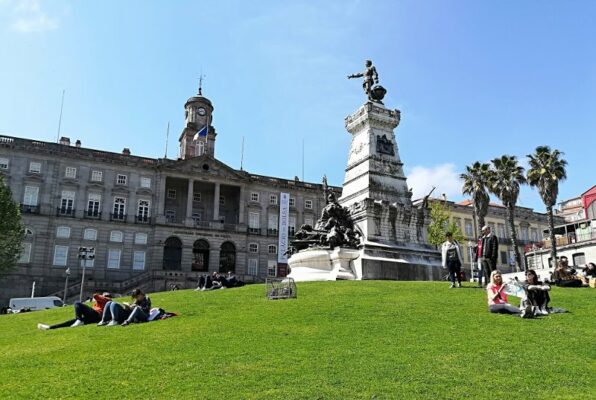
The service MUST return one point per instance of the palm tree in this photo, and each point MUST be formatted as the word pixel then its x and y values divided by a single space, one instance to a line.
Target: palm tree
pixel 547 169
pixel 504 181
pixel 475 185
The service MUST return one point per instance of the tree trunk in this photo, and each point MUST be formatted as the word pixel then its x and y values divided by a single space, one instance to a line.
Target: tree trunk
pixel 553 240
pixel 510 218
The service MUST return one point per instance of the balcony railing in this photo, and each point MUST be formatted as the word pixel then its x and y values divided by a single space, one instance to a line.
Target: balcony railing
pixel 92 214
pixel 172 220
pixel 28 209
pixel 65 212
pixel 254 231
pixel 142 219
pixel 118 217
pixel 272 232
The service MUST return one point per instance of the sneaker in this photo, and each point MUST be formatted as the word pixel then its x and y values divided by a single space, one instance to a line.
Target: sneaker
pixel 452 286
pixel 459 285
pixel 113 323
pixel 102 323
pixel 541 311
pixel 78 322
pixel 125 323
pixel 43 327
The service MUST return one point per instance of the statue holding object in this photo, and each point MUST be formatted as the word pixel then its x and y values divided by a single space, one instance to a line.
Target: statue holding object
pixel 370 84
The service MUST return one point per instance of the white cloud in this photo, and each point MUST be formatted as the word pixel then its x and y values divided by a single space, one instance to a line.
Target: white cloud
pixel 444 177
pixel 28 16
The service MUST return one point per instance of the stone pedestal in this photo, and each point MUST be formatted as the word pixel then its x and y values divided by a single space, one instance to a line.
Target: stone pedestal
pixel 324 265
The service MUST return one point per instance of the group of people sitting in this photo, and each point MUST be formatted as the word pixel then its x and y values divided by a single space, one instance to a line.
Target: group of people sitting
pixel 106 312
pixel 566 276
pixel 218 281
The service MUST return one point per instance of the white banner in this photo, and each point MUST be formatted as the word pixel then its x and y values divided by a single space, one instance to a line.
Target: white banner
pixel 284 216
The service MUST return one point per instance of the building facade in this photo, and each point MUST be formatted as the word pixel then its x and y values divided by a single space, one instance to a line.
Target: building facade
pixel 152 222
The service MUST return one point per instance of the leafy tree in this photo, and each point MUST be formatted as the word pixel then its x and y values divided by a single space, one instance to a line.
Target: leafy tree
pixel 441 223
pixel 547 169
pixel 504 180
pixel 475 185
pixel 11 229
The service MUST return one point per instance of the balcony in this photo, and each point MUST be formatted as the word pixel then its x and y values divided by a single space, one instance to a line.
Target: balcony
pixel 65 212
pixel 272 232
pixel 29 209
pixel 254 231
pixel 118 217
pixel 142 219
pixel 91 214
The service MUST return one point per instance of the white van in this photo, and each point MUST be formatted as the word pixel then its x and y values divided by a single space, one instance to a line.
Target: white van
pixel 34 303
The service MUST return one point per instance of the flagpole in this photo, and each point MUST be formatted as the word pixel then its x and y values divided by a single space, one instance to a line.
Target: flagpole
pixel 60 118
pixel 302 159
pixel 242 155
pixel 167 138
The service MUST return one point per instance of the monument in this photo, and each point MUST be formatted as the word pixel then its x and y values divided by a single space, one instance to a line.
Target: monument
pixel 375 231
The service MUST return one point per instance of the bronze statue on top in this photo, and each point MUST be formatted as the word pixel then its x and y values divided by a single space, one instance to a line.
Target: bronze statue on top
pixel 370 84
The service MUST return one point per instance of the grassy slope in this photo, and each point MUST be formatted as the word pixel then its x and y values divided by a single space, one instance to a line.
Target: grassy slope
pixel 344 340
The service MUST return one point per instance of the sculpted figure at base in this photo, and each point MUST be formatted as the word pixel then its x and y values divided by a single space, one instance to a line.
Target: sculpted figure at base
pixel 334 228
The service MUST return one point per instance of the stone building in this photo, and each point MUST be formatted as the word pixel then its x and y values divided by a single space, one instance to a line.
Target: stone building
pixel 152 222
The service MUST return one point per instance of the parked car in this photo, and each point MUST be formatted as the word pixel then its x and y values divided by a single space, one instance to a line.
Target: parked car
pixel 34 303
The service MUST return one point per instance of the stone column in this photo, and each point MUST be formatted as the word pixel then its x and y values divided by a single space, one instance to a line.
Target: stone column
pixel 216 203
pixel 189 221
pixel 241 220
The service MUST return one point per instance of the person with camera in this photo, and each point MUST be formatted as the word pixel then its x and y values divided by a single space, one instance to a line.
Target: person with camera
pixel 452 259
pixel 126 313
pixel 83 313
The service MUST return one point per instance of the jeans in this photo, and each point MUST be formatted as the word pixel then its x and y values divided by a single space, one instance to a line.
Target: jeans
pixel 205 282
pixel 486 267
pixel 82 312
pixel 138 315
pixel 454 269
pixel 114 311
pixel 503 309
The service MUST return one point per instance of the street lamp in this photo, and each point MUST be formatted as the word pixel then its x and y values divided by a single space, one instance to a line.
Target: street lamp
pixel 85 253
pixel 471 254
pixel 67 272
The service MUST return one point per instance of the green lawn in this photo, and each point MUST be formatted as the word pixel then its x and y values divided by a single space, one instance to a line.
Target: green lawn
pixel 338 340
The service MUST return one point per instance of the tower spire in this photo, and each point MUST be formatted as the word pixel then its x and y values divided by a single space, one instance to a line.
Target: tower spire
pixel 201 84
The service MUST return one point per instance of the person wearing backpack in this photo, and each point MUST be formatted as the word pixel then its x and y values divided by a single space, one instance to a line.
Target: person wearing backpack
pixel 452 259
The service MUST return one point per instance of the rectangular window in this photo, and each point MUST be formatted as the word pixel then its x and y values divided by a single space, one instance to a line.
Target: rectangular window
pixel 140 238
pixel 63 232
pixel 143 211
pixel 469 228
pixel 254 221
pixel 60 256
pixel 253 266
pixel 31 195
pixel 116 236
pixel 70 172
pixel 35 167
pixel 534 234
pixel 121 179
pixel 524 233
pixel 579 259
pixel 273 199
pixel 146 183
pixel 254 196
pixel 93 203
pixel 501 231
pixel 138 261
pixel 503 257
pixel 67 202
pixel 172 194
pixel 96 176
pixel 171 216
pixel 196 197
pixel 253 248
pixel 308 204
pixel 292 225
pixel 3 163
pixel 292 202
pixel 272 268
pixel 272 224
pixel 90 234
pixel 119 211
pixel 197 217
pixel 272 249
pixel 114 258
pixel 25 254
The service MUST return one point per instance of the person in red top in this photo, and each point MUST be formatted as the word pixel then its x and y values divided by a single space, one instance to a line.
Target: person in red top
pixel 83 313
pixel 497 298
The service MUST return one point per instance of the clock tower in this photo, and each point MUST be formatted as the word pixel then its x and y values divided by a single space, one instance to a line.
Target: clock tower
pixel 198 116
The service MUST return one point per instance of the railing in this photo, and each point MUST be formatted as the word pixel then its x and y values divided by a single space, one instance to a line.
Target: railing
pixel 118 217
pixel 28 209
pixel 142 219
pixel 272 232
pixel 562 241
pixel 65 212
pixel 91 214
pixel 254 231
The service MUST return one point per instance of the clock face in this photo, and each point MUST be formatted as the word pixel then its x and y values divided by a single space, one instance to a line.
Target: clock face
pixel 201 111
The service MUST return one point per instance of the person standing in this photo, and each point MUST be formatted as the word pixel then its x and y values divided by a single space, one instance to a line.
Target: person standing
pixel 452 259
pixel 487 254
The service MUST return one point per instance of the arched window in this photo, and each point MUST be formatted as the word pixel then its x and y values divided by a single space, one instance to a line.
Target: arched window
pixel 200 251
pixel 172 253
pixel 227 257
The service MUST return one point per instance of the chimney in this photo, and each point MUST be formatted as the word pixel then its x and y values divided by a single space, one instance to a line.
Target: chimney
pixel 126 151
pixel 78 143
pixel 65 141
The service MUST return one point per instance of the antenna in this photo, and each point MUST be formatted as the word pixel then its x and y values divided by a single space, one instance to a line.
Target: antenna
pixel 302 159
pixel 242 155
pixel 167 137
pixel 60 119
pixel 201 83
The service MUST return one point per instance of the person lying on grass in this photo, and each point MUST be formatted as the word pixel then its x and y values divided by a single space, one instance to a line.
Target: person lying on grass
pixel 126 313
pixel 83 313
pixel 497 298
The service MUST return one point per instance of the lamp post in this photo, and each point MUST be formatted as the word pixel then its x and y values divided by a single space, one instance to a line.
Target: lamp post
pixel 85 253
pixel 67 272
pixel 471 254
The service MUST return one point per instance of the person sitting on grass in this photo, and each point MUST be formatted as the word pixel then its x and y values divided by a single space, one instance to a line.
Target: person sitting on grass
pixel 564 275
pixel 497 298
pixel 116 313
pixel 589 272
pixel 452 259
pixel 83 313
pixel 537 293
pixel 141 308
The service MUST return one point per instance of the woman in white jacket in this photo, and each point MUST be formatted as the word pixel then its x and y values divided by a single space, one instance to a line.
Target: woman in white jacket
pixel 452 259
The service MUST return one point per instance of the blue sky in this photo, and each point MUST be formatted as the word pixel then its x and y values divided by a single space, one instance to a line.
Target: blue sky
pixel 473 80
